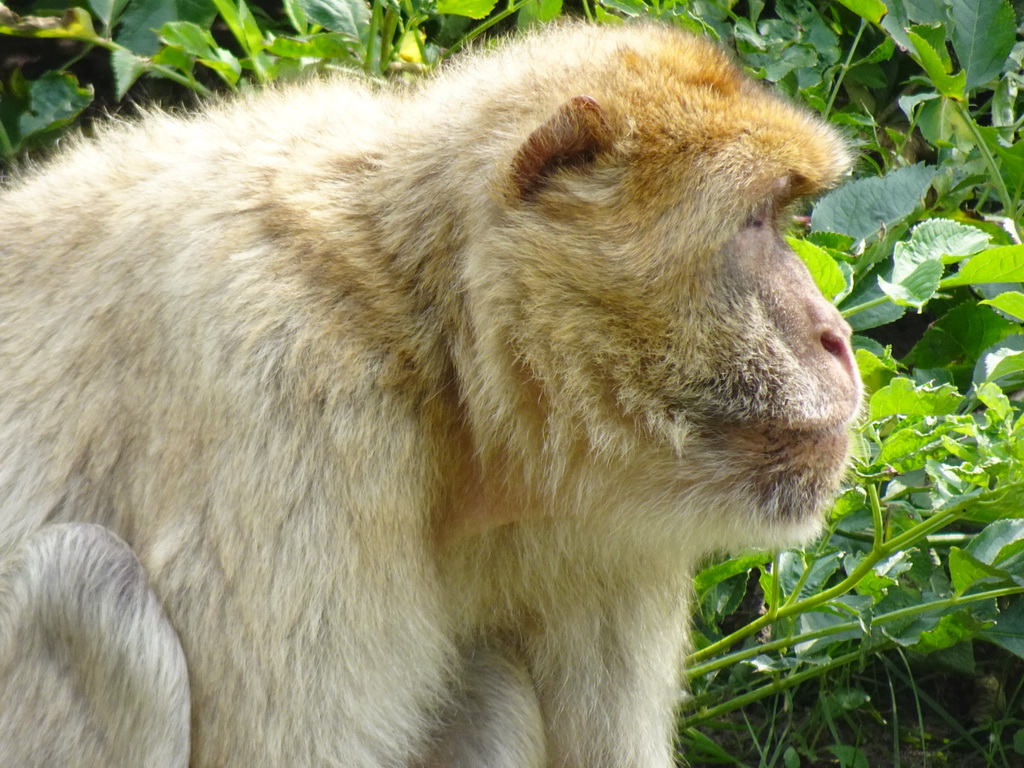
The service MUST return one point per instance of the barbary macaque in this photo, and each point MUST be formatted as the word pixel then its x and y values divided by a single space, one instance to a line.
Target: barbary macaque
pixel 362 426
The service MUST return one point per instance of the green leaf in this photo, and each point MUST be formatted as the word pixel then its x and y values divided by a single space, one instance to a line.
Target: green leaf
pixel 961 335
pixel 538 11
pixel 1010 302
pixel 849 757
pixel 952 86
pixel 351 17
pixel 875 371
pixel 708 577
pixel 994 400
pixel 983 33
pixel 996 265
pixel 937 238
pixel 823 268
pixel 1008 631
pixel 138 24
pixel 1001 542
pixel 862 207
pixel 903 398
pixel 323 46
pixel 966 570
pixel 934 33
pixel 106 10
pixel 1011 158
pixel 53 101
pixel 901 449
pixel 913 285
pixel 127 67
pixel 252 35
pixel 872 10
pixel 190 37
pixel 474 9
pixel 1004 358
pixel 75 23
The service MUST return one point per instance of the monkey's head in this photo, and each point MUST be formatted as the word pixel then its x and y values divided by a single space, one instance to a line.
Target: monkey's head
pixel 635 286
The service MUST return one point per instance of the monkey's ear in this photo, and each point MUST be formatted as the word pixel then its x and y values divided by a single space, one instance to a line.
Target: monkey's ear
pixel 572 137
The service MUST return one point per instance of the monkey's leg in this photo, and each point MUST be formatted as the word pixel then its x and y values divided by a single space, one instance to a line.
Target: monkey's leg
pixel 91 672
pixel 496 718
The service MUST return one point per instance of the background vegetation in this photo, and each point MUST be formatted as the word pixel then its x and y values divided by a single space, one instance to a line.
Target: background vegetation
pixel 898 638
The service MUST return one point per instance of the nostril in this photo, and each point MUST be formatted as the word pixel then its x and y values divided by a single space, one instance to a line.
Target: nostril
pixel 833 344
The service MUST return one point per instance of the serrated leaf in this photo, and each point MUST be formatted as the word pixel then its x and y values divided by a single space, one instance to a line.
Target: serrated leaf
pixel 916 287
pixel 1010 302
pixel 983 35
pixel 137 25
pixel 951 629
pixel 127 67
pixel 862 207
pixel 951 86
pixel 996 265
pixel 899 449
pixel 901 397
pixel 106 10
pixel 53 100
pixel 936 238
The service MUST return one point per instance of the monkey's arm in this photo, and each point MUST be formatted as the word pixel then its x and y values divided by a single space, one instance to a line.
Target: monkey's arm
pixel 91 672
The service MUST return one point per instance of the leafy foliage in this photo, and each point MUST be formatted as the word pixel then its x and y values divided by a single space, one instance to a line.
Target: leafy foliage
pixel 802 657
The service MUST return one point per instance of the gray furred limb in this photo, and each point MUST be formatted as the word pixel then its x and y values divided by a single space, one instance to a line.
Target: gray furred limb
pixel 91 671
pixel 495 720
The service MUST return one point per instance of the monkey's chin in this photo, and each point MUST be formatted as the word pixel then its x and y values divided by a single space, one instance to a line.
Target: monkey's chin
pixel 790 475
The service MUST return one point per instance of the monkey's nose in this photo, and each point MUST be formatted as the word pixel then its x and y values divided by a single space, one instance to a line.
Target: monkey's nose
pixel 833 343
pixel 838 346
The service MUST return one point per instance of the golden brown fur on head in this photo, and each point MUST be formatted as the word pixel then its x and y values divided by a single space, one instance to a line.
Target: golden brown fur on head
pixel 407 412
pixel 643 323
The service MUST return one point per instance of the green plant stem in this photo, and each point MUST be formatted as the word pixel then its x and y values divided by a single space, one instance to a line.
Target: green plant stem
pixel 843 69
pixel 879 552
pixel 700 670
pixel 866 305
pixel 372 35
pixel 178 77
pixel 387 37
pixel 1009 205
pixel 775 686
